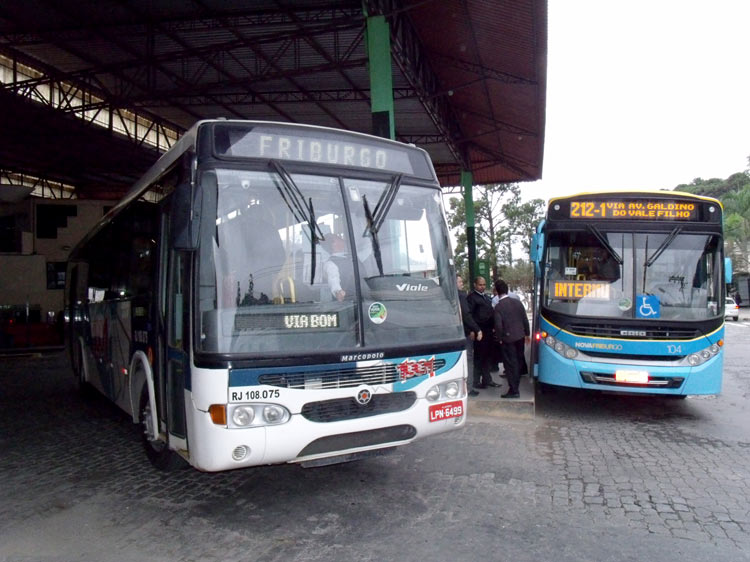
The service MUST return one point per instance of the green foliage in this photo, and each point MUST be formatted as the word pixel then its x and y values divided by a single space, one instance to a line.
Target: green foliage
pixel 734 194
pixel 502 223
pixel 519 276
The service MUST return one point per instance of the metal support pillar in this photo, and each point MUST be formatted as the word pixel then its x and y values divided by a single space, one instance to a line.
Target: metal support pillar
pixel 381 78
pixel 471 240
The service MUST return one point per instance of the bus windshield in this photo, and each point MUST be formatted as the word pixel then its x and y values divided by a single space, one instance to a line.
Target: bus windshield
pixel 291 262
pixel 663 275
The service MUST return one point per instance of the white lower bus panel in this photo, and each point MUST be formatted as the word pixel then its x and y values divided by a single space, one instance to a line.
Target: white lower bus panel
pixel 318 426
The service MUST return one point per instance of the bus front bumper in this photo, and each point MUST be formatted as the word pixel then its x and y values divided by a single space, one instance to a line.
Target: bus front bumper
pixel 556 370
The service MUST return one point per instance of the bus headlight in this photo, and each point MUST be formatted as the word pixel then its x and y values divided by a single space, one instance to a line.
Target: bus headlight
pixel 562 348
pixel 433 394
pixel 242 416
pixel 700 357
pixel 274 414
pixel 451 389
pixel 256 415
pixel 444 391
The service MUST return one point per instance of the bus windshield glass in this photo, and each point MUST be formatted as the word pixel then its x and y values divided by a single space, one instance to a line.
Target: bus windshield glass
pixel 291 262
pixel 662 275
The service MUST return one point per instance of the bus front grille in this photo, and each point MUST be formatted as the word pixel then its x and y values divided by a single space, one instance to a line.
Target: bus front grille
pixel 347 408
pixel 359 439
pixel 350 377
pixel 633 333
pixel 608 379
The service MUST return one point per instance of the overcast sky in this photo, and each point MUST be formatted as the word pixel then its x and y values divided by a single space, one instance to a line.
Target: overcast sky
pixel 644 94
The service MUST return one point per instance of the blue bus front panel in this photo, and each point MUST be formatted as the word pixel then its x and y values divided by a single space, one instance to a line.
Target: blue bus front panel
pixel 599 372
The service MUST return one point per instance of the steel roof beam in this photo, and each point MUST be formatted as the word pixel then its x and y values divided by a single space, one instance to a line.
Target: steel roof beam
pixel 409 56
pixel 270 61
pixel 61 95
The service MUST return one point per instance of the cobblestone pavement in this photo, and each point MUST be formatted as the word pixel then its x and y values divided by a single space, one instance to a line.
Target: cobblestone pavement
pixel 592 478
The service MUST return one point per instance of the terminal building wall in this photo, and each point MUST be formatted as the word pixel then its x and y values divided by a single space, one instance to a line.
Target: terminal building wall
pixel 37 237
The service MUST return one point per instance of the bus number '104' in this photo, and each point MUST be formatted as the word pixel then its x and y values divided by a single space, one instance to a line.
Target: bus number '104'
pixel 254 395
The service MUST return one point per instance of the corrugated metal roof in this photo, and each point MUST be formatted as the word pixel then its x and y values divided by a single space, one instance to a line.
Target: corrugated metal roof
pixel 469 76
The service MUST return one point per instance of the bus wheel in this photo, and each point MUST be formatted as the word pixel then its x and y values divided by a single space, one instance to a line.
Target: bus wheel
pixel 157 451
pixel 84 387
pixel 542 388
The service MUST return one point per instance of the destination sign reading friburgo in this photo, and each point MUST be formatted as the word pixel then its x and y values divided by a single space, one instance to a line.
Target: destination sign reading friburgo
pixel 316 145
pixel 649 209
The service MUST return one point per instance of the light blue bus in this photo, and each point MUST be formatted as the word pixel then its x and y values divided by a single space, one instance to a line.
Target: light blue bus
pixel 629 293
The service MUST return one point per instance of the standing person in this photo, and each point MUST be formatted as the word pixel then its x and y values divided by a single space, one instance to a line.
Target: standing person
pixel 480 308
pixel 497 354
pixel 472 331
pixel 512 330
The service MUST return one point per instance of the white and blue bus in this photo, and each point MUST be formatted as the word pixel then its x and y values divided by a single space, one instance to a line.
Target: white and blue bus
pixel 272 293
pixel 629 293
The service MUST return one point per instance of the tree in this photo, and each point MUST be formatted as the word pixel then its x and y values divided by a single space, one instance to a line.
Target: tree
pixel 734 194
pixel 737 227
pixel 502 222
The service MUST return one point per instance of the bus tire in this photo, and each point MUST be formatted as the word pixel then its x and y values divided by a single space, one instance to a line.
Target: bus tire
pixel 157 451
pixel 542 388
pixel 84 386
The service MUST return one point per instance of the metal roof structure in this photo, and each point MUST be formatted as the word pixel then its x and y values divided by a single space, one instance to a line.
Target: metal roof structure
pixel 469 80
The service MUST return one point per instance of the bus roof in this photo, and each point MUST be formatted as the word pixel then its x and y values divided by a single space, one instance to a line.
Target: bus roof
pixel 636 193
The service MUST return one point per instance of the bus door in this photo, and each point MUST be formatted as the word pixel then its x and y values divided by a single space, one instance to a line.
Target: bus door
pixel 178 335
pixel 172 331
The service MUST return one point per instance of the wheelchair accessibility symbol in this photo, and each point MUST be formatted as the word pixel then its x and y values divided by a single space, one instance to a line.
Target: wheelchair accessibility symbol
pixel 649 306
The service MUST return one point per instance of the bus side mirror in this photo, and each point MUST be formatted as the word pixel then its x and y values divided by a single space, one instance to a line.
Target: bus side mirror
pixel 727 270
pixel 533 250
pixel 535 255
pixel 186 217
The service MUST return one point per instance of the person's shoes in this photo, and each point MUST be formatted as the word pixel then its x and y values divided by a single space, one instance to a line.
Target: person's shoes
pixel 510 394
pixel 494 385
pixel 473 393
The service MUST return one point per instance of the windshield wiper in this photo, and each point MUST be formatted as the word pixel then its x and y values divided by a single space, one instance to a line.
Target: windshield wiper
pixel 303 212
pixel 604 242
pixel 375 218
pixel 373 234
pixel 660 250
pixel 384 203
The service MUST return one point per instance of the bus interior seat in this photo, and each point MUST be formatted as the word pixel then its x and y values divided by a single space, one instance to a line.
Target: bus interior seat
pixel 265 251
pixel 251 245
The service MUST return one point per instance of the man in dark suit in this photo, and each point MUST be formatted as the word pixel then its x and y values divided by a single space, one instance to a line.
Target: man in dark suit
pixel 512 331
pixel 471 331
pixel 480 308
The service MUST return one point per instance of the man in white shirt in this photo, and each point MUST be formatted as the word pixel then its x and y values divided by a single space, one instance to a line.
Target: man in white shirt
pixel 338 268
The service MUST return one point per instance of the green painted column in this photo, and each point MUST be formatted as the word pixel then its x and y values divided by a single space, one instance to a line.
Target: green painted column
pixel 471 240
pixel 381 78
